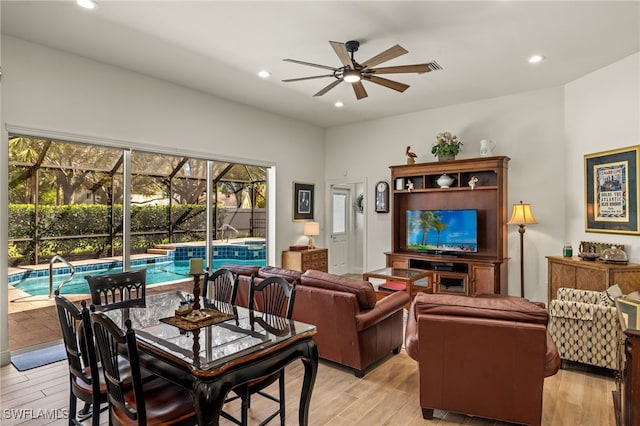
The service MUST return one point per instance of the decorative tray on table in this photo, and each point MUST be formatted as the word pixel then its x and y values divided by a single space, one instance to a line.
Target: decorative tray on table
pixel 197 319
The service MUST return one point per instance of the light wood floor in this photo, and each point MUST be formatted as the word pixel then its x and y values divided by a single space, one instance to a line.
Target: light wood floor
pixel 387 395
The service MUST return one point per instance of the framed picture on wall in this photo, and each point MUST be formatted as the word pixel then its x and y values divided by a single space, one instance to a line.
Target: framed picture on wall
pixel 611 191
pixel 303 194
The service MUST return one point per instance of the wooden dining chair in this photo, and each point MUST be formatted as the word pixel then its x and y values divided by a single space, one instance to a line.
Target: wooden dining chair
pixel 123 289
pixel 84 370
pixel 155 402
pixel 221 285
pixel 276 299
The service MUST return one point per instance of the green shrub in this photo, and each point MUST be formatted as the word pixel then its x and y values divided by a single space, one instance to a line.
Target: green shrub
pixel 92 224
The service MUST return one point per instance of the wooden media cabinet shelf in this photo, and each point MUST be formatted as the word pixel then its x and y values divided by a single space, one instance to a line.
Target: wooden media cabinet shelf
pixel 484 271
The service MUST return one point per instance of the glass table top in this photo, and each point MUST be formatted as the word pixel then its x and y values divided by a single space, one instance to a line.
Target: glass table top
pixel 210 346
pixel 398 273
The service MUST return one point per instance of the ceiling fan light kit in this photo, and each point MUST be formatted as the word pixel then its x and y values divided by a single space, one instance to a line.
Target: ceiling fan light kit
pixel 354 73
pixel 351 76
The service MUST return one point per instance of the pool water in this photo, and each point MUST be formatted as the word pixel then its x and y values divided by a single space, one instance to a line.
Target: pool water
pixel 157 273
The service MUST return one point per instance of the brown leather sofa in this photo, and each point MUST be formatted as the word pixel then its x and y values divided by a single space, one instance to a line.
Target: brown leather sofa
pixel 353 328
pixel 484 356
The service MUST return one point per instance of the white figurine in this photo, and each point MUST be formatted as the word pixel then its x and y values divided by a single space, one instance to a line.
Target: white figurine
pixel 472 182
pixel 409 185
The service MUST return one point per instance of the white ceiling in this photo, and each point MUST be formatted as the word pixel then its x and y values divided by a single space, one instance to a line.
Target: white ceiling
pixel 218 47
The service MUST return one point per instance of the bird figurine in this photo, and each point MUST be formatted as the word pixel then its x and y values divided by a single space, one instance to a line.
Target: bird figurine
pixel 411 156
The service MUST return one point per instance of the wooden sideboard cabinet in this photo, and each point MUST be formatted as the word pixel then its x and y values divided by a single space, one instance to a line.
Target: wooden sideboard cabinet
pixel 573 272
pixel 317 259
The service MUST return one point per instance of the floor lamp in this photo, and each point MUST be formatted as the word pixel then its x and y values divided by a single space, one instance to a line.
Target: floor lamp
pixel 521 215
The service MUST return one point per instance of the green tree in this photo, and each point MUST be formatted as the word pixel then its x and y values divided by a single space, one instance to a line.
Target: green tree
pixel 439 227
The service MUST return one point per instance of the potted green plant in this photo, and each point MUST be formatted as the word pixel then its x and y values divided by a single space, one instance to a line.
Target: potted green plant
pixel 446 146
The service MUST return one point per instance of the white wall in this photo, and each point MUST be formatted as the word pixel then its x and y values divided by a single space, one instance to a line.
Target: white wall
pixel 602 112
pixel 527 127
pixel 66 95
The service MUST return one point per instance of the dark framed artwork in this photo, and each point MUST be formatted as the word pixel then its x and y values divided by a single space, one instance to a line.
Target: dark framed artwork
pixel 611 191
pixel 303 196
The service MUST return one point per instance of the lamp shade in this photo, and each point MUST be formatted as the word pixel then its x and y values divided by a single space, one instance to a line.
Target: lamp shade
pixel 521 215
pixel 311 228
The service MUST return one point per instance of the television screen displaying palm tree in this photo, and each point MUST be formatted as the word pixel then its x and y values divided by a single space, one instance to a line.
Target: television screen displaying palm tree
pixel 442 231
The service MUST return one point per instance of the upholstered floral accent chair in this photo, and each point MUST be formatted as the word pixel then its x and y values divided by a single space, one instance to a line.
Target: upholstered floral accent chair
pixel 585 328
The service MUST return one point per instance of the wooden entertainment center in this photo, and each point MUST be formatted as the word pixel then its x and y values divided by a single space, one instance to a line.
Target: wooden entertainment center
pixel 479 184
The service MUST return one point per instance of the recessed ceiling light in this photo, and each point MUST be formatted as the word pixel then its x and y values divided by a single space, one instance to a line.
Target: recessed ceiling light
pixel 339 104
pixel 535 59
pixel 87 4
pixel 264 74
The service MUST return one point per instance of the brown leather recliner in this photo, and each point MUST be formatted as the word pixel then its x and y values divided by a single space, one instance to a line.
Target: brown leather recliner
pixel 485 356
pixel 353 328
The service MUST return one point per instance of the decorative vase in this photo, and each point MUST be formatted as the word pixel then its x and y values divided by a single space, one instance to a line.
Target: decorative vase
pixel 486 147
pixel 446 157
pixel 444 181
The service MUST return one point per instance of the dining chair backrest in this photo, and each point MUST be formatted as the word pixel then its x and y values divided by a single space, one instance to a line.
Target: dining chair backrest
pixel 114 343
pixel 274 324
pixel 277 296
pixel 72 328
pixel 221 285
pixel 84 372
pixel 117 290
pixel 270 300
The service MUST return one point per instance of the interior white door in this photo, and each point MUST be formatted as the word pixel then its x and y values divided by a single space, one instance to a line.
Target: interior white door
pixel 339 248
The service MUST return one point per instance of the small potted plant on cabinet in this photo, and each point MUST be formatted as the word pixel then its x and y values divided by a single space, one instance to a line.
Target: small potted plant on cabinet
pixel 446 146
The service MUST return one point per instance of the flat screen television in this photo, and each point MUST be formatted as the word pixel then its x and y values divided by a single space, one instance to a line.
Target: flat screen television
pixel 443 231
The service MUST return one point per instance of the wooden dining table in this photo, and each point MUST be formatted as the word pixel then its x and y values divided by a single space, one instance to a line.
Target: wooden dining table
pixel 211 359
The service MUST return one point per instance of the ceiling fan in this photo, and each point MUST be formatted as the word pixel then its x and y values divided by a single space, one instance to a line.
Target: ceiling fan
pixel 354 72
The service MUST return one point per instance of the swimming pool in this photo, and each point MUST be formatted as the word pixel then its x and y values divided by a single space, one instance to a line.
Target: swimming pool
pixel 163 272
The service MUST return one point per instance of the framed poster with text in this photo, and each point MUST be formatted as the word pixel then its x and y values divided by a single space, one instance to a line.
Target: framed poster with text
pixel 611 191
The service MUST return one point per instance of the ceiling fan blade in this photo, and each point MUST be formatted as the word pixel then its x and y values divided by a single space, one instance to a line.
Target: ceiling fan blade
pixel 310 64
pixel 343 54
pixel 358 88
pixel 400 87
pixel 418 68
pixel 307 78
pixel 387 55
pixel 329 87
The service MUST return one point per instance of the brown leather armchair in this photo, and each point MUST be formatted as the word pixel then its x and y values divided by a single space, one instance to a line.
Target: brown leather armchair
pixel 485 356
pixel 354 329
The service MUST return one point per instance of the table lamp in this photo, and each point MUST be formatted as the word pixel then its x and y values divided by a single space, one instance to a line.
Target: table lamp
pixel 521 215
pixel 311 229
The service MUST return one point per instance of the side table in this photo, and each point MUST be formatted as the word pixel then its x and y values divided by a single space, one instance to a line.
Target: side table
pixel 302 260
